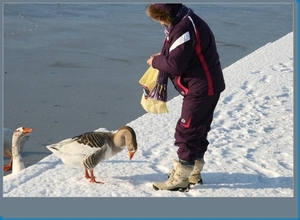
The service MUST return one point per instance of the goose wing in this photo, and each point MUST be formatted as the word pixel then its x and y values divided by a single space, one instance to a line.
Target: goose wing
pixel 72 151
pixel 83 144
pixel 91 139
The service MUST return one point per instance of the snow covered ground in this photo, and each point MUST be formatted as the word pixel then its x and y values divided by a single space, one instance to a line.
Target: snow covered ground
pixel 250 155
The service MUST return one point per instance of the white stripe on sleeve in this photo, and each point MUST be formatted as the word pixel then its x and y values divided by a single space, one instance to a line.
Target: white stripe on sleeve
pixel 181 40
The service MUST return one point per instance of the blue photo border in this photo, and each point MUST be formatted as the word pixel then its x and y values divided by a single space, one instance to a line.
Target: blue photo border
pixel 157 208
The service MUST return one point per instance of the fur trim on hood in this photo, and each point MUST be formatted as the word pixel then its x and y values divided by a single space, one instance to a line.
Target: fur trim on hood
pixel 163 12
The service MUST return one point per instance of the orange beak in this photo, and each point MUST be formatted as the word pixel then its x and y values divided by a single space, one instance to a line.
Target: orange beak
pixel 27 130
pixel 131 153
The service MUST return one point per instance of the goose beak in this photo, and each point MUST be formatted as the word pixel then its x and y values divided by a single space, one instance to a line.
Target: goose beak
pixel 27 130
pixel 131 153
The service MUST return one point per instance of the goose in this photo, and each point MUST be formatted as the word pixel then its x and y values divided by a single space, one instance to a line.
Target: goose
pixel 17 162
pixel 89 149
pixel 7 146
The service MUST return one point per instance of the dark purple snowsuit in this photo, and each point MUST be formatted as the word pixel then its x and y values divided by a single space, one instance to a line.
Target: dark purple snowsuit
pixel 193 65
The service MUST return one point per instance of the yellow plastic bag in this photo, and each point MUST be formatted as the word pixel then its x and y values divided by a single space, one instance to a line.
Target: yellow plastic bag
pixel 148 82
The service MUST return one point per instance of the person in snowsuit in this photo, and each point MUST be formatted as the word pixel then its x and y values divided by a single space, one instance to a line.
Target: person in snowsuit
pixel 191 61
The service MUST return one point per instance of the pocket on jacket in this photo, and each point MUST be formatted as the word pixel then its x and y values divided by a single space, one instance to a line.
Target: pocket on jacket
pixel 180 87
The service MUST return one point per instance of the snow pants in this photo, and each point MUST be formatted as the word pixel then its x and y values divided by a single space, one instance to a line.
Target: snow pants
pixel 193 126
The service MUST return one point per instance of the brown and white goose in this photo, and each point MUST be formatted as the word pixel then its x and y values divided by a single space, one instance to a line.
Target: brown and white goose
pixel 17 161
pixel 7 146
pixel 89 149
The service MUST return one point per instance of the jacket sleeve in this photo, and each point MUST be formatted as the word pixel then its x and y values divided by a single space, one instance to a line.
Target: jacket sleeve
pixel 177 58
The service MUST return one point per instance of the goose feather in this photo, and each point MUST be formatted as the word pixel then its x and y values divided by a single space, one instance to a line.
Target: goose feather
pixel 17 161
pixel 7 145
pixel 89 149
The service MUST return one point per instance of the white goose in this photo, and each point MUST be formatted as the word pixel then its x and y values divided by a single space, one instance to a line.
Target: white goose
pixel 7 146
pixel 17 162
pixel 89 149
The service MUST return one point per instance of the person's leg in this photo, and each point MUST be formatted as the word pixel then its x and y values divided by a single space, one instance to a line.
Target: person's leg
pixel 193 126
pixel 191 133
pixel 203 116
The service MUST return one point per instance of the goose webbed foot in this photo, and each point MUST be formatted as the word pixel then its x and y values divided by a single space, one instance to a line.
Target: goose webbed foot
pixel 8 167
pixel 92 177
